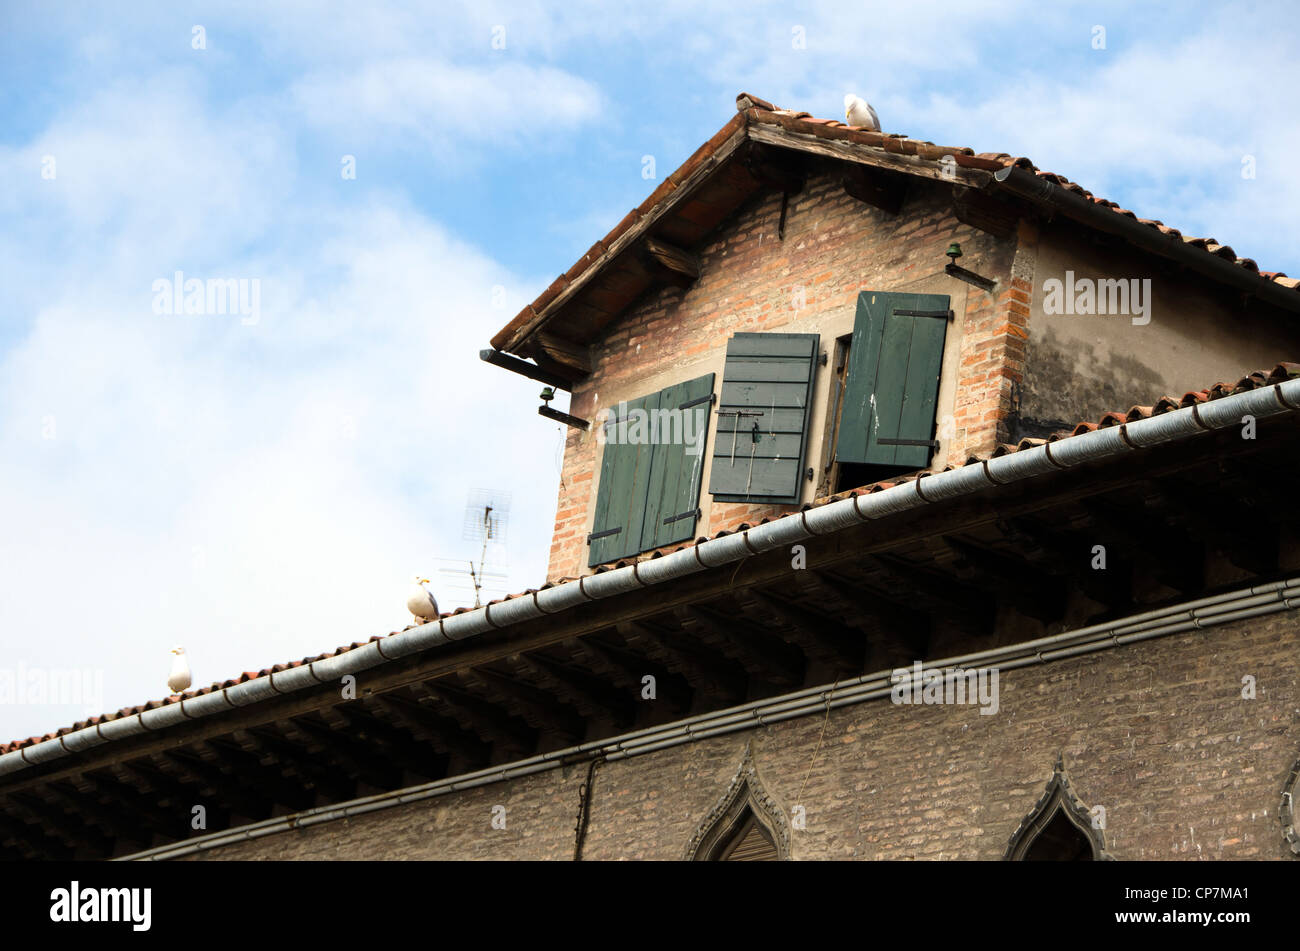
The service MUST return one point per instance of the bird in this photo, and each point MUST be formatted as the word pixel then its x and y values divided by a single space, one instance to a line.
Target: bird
pixel 421 602
pixel 859 113
pixel 179 678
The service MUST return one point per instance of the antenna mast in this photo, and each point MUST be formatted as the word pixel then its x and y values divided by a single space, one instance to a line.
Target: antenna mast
pixel 487 514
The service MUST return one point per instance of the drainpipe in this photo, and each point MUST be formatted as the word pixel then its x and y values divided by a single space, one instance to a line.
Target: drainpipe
pixel 1048 194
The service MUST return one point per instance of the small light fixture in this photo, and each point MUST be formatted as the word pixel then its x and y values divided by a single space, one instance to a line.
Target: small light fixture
pixel 959 272
pixel 548 394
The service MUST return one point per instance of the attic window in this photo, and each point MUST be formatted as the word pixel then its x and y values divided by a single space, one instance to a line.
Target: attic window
pixel 882 416
pixel 759 452
pixel 649 492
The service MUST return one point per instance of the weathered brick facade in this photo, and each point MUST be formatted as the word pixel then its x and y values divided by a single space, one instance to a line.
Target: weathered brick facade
pixel 1157 733
pixel 834 247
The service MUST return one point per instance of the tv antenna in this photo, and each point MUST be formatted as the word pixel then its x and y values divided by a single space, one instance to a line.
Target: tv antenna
pixel 487 516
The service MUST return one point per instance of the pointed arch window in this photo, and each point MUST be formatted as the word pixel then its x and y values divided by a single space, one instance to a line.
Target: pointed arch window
pixel 1060 828
pixel 745 825
pixel 748 841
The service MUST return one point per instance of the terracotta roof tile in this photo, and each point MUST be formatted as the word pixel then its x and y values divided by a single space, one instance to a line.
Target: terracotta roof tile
pixel 1251 381
pixel 760 111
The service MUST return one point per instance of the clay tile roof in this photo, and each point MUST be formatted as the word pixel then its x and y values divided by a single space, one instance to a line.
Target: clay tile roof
pixel 753 110
pixel 1277 374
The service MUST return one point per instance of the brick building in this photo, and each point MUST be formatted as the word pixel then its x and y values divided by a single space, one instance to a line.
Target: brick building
pixel 901 516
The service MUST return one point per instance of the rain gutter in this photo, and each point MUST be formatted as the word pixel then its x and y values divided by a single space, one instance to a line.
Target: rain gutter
pixel 1202 613
pixel 1099 444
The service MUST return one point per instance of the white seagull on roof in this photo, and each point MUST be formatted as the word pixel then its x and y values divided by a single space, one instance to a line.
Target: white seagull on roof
pixel 421 602
pixel 858 112
pixel 179 678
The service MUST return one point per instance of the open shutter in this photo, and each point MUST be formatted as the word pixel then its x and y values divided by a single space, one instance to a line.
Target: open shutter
pixel 893 380
pixel 624 475
pixel 762 440
pixel 673 492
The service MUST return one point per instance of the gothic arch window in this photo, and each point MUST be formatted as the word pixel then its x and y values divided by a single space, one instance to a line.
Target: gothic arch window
pixel 747 841
pixel 1060 828
pixel 745 825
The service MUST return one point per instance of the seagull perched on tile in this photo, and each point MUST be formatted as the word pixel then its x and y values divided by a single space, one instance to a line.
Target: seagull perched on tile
pixel 179 678
pixel 858 112
pixel 421 602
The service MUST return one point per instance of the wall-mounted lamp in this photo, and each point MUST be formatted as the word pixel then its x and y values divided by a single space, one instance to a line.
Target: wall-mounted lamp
pixel 970 277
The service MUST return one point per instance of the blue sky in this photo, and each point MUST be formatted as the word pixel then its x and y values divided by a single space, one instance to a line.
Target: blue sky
pixel 260 491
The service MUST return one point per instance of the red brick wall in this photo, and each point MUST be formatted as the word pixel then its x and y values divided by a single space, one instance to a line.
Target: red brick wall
pixel 1157 732
pixel 834 247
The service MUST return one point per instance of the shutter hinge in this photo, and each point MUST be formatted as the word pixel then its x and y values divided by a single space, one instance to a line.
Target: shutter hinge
pixel 809 473
pixel 945 314
pixel 711 398
pixel 605 534
pixel 932 443
pixel 678 518
pixel 823 359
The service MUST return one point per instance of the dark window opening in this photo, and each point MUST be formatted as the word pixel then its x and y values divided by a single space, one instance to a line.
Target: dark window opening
pixel 881 421
pixel 1060 841
pixel 854 475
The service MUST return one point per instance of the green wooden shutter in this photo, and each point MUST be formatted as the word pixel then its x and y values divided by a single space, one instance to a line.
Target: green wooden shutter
pixel 649 492
pixel 624 475
pixel 893 380
pixel 673 492
pixel 762 441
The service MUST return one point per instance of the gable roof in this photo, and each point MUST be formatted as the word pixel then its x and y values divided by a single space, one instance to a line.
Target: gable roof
pixel 711 185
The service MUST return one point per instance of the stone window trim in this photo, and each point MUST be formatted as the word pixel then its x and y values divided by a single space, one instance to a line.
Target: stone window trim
pixel 1286 812
pixel 745 796
pixel 1058 796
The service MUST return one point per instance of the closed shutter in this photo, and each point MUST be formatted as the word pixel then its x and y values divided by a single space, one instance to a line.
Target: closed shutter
pixel 762 439
pixel 673 490
pixel 650 471
pixel 893 380
pixel 752 844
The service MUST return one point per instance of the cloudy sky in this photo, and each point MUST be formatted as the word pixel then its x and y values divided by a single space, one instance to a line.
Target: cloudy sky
pixel 259 486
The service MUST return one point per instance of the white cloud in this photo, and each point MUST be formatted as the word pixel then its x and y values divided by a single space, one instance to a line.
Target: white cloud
pixel 447 106
pixel 256 493
pixel 260 493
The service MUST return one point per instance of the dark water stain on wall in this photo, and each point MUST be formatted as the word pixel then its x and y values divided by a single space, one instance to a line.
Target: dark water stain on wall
pixel 1067 383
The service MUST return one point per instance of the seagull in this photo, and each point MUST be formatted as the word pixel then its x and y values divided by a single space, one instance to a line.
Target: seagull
pixel 179 678
pixel 859 113
pixel 421 602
